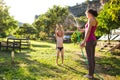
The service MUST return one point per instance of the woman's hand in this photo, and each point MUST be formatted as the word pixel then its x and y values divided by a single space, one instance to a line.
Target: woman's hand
pixel 81 30
pixel 82 44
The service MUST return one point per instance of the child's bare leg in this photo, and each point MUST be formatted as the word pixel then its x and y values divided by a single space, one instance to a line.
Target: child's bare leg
pixel 62 55
pixel 58 53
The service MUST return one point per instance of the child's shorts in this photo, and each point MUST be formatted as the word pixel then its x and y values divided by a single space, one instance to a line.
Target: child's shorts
pixel 60 48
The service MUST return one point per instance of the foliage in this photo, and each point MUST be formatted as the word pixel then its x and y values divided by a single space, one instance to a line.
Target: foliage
pixel 27 31
pixel 109 18
pixel 82 21
pixel 7 22
pixel 43 35
pixel 76 37
pixel 46 22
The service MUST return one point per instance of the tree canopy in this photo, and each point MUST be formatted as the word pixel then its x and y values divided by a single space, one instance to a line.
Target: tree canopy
pixel 109 17
pixel 7 22
pixel 46 22
pixel 26 31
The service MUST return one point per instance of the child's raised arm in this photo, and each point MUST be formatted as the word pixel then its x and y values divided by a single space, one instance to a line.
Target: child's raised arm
pixel 56 30
pixel 62 30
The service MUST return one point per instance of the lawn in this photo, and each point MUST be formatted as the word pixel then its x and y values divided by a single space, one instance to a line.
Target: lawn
pixel 38 63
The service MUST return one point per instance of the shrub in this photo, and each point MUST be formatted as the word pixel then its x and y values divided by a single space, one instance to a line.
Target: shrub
pixel 43 35
pixel 76 37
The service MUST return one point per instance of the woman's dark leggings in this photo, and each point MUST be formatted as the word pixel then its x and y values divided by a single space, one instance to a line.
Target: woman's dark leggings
pixel 90 50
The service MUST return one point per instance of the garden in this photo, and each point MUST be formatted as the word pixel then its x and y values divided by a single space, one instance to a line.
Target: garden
pixel 37 61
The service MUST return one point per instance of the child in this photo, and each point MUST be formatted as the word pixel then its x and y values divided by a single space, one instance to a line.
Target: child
pixel 59 33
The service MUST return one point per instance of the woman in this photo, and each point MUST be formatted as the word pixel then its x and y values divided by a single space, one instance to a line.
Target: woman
pixel 89 41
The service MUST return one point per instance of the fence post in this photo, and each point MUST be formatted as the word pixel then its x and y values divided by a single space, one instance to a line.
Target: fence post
pixel 12 57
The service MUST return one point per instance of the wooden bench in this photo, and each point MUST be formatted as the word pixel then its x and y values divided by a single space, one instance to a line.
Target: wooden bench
pixel 14 43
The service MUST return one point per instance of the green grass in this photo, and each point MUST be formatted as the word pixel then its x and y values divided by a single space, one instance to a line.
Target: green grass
pixel 38 63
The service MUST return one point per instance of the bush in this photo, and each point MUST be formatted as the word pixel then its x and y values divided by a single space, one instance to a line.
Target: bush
pixel 43 35
pixel 76 37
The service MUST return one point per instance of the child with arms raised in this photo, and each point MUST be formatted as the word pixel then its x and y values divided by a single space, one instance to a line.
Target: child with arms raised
pixel 59 33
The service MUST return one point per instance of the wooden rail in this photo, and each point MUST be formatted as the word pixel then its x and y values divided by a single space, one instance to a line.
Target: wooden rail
pixel 14 43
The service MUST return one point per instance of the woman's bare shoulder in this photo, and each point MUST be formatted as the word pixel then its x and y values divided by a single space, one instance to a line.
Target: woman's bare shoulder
pixel 93 21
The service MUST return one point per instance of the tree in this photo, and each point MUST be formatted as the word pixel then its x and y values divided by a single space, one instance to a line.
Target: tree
pixel 27 31
pixel 7 22
pixel 82 21
pixel 109 18
pixel 47 21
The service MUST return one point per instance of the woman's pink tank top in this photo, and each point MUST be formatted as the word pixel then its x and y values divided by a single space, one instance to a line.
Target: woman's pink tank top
pixel 92 36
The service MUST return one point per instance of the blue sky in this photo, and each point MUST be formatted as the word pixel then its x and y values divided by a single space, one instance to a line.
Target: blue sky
pixel 25 10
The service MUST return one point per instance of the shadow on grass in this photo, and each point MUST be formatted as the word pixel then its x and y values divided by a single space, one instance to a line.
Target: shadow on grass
pixel 42 46
pixel 69 68
pixel 9 71
pixel 105 65
pixel 32 67
pixel 109 65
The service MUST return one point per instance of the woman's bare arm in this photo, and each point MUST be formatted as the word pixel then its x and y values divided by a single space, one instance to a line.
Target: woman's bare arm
pixel 81 30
